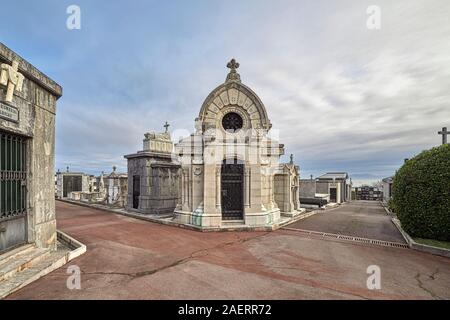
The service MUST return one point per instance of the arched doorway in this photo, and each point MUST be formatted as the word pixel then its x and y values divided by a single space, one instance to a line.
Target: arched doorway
pixel 232 189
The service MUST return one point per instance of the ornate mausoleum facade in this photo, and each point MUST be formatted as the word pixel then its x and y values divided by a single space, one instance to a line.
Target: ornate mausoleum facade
pixel 230 170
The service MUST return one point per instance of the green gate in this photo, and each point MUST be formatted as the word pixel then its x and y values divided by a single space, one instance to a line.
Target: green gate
pixel 13 178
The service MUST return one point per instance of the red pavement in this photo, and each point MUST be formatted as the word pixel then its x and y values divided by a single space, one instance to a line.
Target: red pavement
pixel 134 259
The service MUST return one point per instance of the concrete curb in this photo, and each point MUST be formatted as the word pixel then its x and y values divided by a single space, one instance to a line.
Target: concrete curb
pixel 190 227
pixel 77 247
pixel 418 246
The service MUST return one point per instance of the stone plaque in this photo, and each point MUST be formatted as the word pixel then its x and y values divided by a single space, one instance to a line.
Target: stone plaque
pixel 9 112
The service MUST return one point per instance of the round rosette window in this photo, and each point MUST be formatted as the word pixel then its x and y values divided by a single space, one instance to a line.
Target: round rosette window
pixel 232 122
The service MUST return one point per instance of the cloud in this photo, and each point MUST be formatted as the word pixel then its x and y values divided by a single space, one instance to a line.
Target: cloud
pixel 343 97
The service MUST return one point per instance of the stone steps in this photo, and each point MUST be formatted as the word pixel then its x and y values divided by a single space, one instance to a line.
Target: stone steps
pixel 23 265
pixel 48 262
pixel 21 261
pixel 13 253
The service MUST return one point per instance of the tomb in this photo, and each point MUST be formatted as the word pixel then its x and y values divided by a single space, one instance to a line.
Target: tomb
pixel 230 170
pixel 27 145
pixel 153 176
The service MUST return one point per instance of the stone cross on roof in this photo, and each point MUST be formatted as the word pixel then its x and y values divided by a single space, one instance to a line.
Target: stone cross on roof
pixel 233 65
pixel 11 78
pixel 167 125
pixel 444 134
pixel 233 75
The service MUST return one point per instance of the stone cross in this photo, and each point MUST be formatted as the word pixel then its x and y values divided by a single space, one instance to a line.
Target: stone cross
pixel 233 65
pixel 11 78
pixel 444 134
pixel 233 75
pixel 167 125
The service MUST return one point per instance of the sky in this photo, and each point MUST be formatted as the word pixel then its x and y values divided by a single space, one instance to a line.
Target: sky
pixel 342 96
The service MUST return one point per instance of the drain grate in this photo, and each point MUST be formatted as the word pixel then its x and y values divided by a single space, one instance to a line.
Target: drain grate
pixel 350 238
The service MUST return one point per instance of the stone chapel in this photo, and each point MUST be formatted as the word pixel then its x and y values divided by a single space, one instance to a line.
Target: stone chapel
pixel 230 166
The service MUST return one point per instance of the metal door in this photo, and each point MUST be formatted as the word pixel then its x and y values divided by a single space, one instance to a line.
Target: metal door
pixel 72 184
pixel 136 191
pixel 232 180
pixel 333 195
pixel 13 179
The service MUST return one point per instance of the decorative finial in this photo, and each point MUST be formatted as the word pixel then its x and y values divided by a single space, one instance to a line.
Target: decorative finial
pixel 233 65
pixel 167 125
pixel 292 158
pixel 233 75
pixel 114 168
pixel 67 168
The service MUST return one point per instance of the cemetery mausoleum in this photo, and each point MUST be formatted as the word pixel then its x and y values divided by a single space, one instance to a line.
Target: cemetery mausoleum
pixel 27 152
pixel 230 166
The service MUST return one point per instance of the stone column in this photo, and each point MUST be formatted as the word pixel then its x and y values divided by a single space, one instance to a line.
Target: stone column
pixel 247 187
pixel 270 178
pixel 218 186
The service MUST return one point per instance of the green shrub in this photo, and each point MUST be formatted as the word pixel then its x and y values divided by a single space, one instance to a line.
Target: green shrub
pixel 391 205
pixel 421 194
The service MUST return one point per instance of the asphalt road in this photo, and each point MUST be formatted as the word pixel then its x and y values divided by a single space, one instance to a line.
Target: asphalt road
pixel 134 259
pixel 365 219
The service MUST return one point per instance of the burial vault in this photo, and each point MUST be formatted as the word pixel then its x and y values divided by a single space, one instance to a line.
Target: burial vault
pixel 27 144
pixel 230 166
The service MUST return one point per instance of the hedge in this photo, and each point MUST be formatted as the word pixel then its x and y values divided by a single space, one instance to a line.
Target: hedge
pixel 421 194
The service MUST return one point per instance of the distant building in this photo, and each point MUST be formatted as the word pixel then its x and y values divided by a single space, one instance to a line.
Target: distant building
pixel 309 197
pixel 387 188
pixel 336 184
pixel 67 182
pixel 332 187
pixel 368 193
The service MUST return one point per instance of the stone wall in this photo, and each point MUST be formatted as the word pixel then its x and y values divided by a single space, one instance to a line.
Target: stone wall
pixel 37 108
pixel 322 187
pixel 308 188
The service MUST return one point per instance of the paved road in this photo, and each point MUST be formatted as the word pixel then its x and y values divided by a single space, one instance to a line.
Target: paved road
pixel 365 219
pixel 133 259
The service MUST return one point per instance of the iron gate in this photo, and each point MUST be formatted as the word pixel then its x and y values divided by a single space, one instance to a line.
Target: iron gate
pixel 232 191
pixel 13 178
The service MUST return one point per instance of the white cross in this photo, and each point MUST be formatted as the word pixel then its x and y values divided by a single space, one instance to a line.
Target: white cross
pixel 11 78
pixel 444 134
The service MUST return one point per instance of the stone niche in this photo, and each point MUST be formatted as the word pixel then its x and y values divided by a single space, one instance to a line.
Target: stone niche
pixel 286 186
pixel 153 176
pixel 27 119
